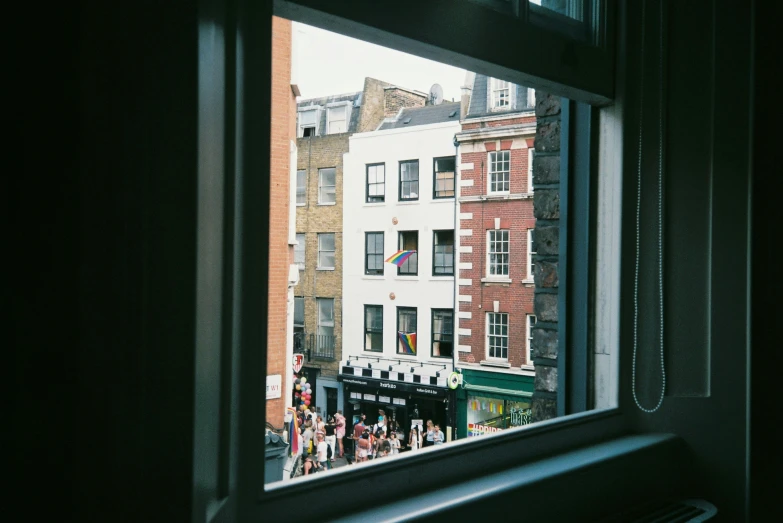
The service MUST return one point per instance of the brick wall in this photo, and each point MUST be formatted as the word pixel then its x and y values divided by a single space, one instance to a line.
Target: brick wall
pixel 314 154
pixel 280 254
pixel 498 123
pixel 396 98
pixel 372 111
pixel 516 215
pixel 546 184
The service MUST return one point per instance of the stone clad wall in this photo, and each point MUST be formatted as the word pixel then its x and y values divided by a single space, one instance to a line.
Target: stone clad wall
pixel 546 209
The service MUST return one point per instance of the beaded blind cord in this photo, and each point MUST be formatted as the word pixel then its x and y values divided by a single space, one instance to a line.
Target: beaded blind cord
pixel 660 215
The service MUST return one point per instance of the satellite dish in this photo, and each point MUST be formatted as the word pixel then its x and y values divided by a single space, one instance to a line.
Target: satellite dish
pixel 436 94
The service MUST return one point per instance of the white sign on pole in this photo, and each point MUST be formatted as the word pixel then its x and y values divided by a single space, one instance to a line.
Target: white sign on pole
pixel 274 387
pixel 298 362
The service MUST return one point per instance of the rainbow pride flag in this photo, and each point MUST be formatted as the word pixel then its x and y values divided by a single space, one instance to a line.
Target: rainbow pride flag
pixel 408 342
pixel 399 257
pixel 293 432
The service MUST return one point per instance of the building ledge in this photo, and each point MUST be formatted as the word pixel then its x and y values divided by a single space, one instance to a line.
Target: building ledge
pixel 500 364
pixel 501 281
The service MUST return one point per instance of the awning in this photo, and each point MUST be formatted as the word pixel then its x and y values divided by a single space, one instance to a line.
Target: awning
pixel 497 390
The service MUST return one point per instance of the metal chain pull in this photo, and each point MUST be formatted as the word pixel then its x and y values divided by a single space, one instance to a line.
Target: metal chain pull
pixel 660 215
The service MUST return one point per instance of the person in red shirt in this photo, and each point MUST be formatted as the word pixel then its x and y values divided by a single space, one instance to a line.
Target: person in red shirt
pixel 358 430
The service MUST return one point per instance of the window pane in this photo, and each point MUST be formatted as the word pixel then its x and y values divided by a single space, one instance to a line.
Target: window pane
pixel 301 177
pixel 299 251
pixel 299 311
pixel 307 117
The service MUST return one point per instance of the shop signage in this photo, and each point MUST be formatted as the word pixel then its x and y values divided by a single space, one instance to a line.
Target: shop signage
pixel 476 429
pixel 376 385
pixel 384 399
pixel 376 373
pixel 274 387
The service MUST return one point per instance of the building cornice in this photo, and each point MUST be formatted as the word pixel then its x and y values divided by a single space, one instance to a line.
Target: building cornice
pixel 498 117
pixel 494 133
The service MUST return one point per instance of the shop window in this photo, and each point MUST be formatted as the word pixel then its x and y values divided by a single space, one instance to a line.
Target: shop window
pixel 442 333
pixel 487 415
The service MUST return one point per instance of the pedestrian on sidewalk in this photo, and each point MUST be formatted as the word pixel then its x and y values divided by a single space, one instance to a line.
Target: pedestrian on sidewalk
pixel 330 428
pixel 339 421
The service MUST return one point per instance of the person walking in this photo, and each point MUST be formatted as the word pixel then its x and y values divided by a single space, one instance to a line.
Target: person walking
pixel 339 421
pixel 330 438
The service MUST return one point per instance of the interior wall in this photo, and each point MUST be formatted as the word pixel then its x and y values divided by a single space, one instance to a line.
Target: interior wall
pixel 705 114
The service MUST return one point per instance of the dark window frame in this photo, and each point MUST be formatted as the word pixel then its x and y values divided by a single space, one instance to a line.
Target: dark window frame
pixel 369 331
pixel 367 183
pixel 432 333
pixel 367 253
pixel 400 181
pixel 435 177
pixel 397 330
pixel 434 235
pixel 407 262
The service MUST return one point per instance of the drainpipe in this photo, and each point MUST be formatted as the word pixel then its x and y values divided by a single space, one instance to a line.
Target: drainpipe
pixel 455 323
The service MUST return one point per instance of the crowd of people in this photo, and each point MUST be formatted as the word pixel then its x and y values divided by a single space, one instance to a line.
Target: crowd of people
pixel 323 442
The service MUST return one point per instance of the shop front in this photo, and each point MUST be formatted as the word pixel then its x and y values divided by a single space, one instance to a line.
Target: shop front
pixel 490 402
pixel 403 404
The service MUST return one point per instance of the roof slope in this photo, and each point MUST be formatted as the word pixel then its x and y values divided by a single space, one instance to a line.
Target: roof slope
pixel 429 114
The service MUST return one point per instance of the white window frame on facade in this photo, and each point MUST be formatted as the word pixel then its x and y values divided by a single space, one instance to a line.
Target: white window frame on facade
pixel 491 239
pixel 322 186
pixel 324 323
pixel 322 251
pixel 301 126
pixel 530 254
pixel 531 97
pixel 531 154
pixel 301 190
pixel 300 250
pixel 331 122
pixel 490 333
pixel 496 88
pixel 492 172
pixel 530 321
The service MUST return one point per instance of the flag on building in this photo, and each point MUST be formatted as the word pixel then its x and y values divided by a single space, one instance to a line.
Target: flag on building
pixel 408 342
pixel 399 257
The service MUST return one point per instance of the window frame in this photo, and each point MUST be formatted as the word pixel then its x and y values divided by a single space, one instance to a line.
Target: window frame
pixel 435 178
pixel 490 233
pixel 491 172
pixel 530 253
pixel 320 250
pixel 453 257
pixel 488 336
pixel 590 81
pixel 493 95
pixel 367 183
pixel 303 189
pixel 432 332
pixel 397 331
pixel 346 116
pixel 318 320
pixel 531 155
pixel 321 186
pixel 529 345
pixel 300 126
pixel 400 181
pixel 406 263
pixel 303 250
pixel 367 330
pixel 367 254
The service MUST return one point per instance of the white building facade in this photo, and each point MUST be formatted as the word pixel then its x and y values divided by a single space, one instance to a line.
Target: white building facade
pixel 398 328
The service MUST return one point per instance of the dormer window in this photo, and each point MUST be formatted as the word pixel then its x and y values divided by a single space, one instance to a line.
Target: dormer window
pixel 501 93
pixel 337 117
pixel 308 123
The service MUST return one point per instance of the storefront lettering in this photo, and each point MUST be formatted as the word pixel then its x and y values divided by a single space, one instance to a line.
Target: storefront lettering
pixel 388 385
pixel 520 417
pixel 475 429
pixel 427 391
pixel 357 382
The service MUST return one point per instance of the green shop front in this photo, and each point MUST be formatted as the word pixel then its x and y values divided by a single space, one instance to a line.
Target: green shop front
pixel 490 401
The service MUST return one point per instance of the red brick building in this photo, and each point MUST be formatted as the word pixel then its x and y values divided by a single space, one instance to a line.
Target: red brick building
pixel 281 234
pixel 494 236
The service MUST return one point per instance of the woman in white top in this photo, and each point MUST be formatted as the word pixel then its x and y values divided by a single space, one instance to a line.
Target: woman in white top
pixel 414 443
pixel 395 443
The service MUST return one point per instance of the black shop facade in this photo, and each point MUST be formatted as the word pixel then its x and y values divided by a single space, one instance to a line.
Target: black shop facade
pixel 411 399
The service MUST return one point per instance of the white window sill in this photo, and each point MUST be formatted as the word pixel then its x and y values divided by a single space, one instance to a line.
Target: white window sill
pixel 374 204
pixel 407 202
pixel 324 268
pixel 301 205
pixel 498 363
pixel 496 280
pixel 528 281
pixel 528 367
pixel 327 204
pixel 442 199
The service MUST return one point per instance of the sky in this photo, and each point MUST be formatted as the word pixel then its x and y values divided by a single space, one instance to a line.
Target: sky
pixel 329 63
